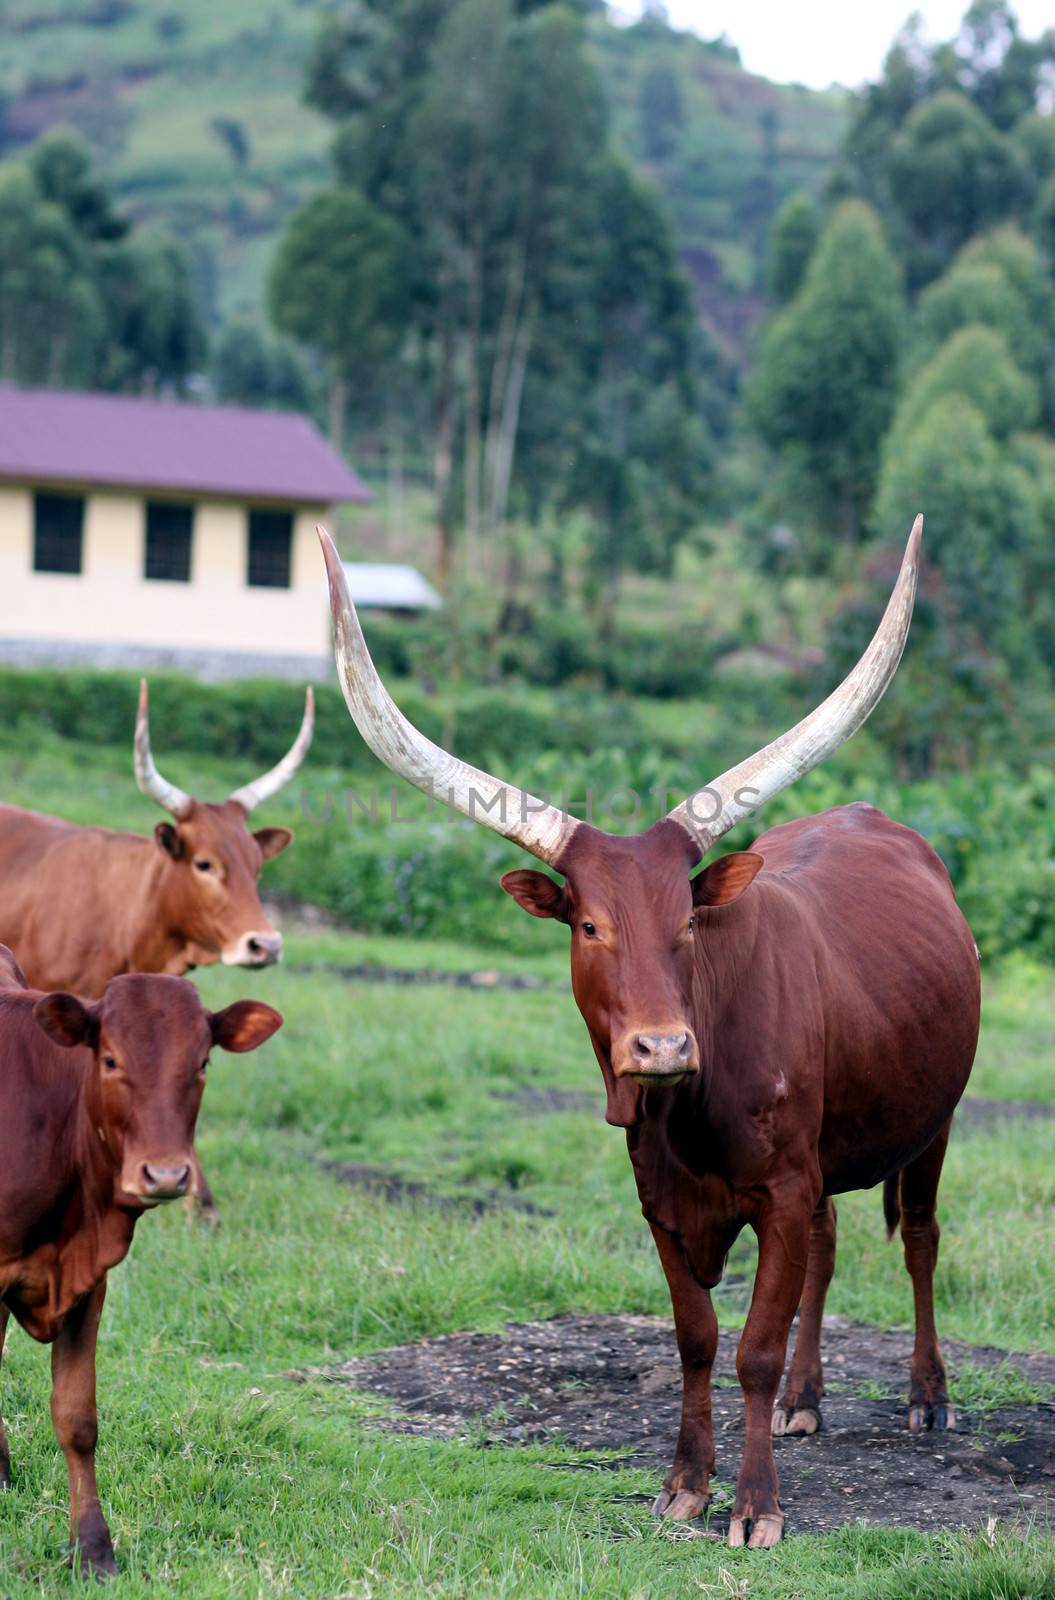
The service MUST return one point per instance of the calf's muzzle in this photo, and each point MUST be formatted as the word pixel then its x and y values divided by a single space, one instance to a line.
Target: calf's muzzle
pixel 663 1056
pixel 157 1182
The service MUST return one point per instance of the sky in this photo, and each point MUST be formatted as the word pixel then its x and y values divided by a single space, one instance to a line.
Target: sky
pixel 819 42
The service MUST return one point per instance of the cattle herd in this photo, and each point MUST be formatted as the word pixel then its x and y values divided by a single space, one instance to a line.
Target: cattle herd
pixel 794 1021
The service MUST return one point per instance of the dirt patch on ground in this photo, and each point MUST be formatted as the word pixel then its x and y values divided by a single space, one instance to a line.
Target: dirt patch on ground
pixel 391 1186
pixel 410 977
pixel 974 1113
pixel 613 1383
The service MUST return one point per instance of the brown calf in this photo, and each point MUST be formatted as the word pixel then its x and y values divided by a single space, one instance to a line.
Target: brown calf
pixel 98 1104
pixel 794 1021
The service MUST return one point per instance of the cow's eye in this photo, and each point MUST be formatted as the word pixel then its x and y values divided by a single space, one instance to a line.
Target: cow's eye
pixel 204 1065
pixel 203 866
pixel 692 923
pixel 589 930
pixel 110 1063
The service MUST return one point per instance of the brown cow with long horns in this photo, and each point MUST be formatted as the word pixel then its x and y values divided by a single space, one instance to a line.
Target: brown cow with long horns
pixel 81 905
pixel 794 1021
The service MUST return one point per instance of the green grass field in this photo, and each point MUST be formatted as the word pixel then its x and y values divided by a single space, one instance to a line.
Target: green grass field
pixel 223 1477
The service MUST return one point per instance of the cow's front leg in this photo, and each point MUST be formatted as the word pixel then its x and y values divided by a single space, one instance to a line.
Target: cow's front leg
pixel 76 1428
pixel 686 1489
pixel 798 1411
pixel 5 1453
pixel 783 1229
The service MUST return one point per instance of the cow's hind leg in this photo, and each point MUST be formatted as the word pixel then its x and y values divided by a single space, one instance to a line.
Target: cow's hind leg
pixel 928 1405
pixel 798 1412
pixel 686 1488
pixel 76 1428
pixel 5 1453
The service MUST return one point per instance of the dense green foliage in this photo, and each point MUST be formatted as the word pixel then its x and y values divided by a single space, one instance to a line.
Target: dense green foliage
pixel 84 300
pixel 951 150
pixel 948 143
pixel 823 388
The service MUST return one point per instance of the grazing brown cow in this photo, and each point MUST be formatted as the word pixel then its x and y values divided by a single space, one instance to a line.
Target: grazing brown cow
pixel 81 905
pixel 98 1104
pixel 796 1020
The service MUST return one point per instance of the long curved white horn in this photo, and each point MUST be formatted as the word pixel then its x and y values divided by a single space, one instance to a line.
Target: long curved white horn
pixel 712 811
pixel 253 794
pixel 535 824
pixel 149 779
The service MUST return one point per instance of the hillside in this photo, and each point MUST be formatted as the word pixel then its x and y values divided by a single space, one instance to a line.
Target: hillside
pixel 195 112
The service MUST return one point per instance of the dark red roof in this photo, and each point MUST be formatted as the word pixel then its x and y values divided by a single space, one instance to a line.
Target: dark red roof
pixel 50 436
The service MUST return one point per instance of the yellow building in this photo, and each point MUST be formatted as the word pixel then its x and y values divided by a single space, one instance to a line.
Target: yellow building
pixel 146 532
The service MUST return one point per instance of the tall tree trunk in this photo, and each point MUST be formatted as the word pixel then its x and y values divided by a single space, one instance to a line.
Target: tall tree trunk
pixel 504 346
pixel 506 451
pixel 337 408
pixel 474 317
pixel 56 359
pixel 395 474
pixel 443 460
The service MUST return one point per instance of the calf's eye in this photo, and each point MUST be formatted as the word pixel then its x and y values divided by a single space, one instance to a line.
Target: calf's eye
pixel 109 1063
pixel 203 866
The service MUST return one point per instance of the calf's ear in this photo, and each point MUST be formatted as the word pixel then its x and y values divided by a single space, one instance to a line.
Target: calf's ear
pixel 66 1020
pixel 537 893
pixel 726 879
pixel 244 1025
pixel 273 841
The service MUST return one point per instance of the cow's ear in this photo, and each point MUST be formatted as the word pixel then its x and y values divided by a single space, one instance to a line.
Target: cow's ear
pixel 66 1020
pixel 169 839
pixel 273 841
pixel 537 893
pixel 244 1025
pixel 726 879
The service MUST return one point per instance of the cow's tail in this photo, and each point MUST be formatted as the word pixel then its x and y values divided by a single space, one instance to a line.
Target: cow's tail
pixel 892 1203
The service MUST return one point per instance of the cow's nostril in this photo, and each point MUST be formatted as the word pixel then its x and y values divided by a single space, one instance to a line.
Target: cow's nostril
pixel 165 1180
pixel 641 1048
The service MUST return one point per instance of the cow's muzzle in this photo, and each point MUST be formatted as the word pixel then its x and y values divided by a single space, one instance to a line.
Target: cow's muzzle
pixel 158 1183
pixel 657 1058
pixel 254 950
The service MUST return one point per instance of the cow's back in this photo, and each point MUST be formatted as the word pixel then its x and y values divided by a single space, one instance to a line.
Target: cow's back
pixel 66 893
pixel 888 962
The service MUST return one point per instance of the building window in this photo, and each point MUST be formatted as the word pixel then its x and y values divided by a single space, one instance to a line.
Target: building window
pixel 168 543
pixel 58 533
pixel 270 549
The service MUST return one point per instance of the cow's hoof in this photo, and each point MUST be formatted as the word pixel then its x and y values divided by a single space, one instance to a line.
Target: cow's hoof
pixel 795 1421
pixel 98 1564
pixel 922 1418
pixel 680 1505
pixel 764 1533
